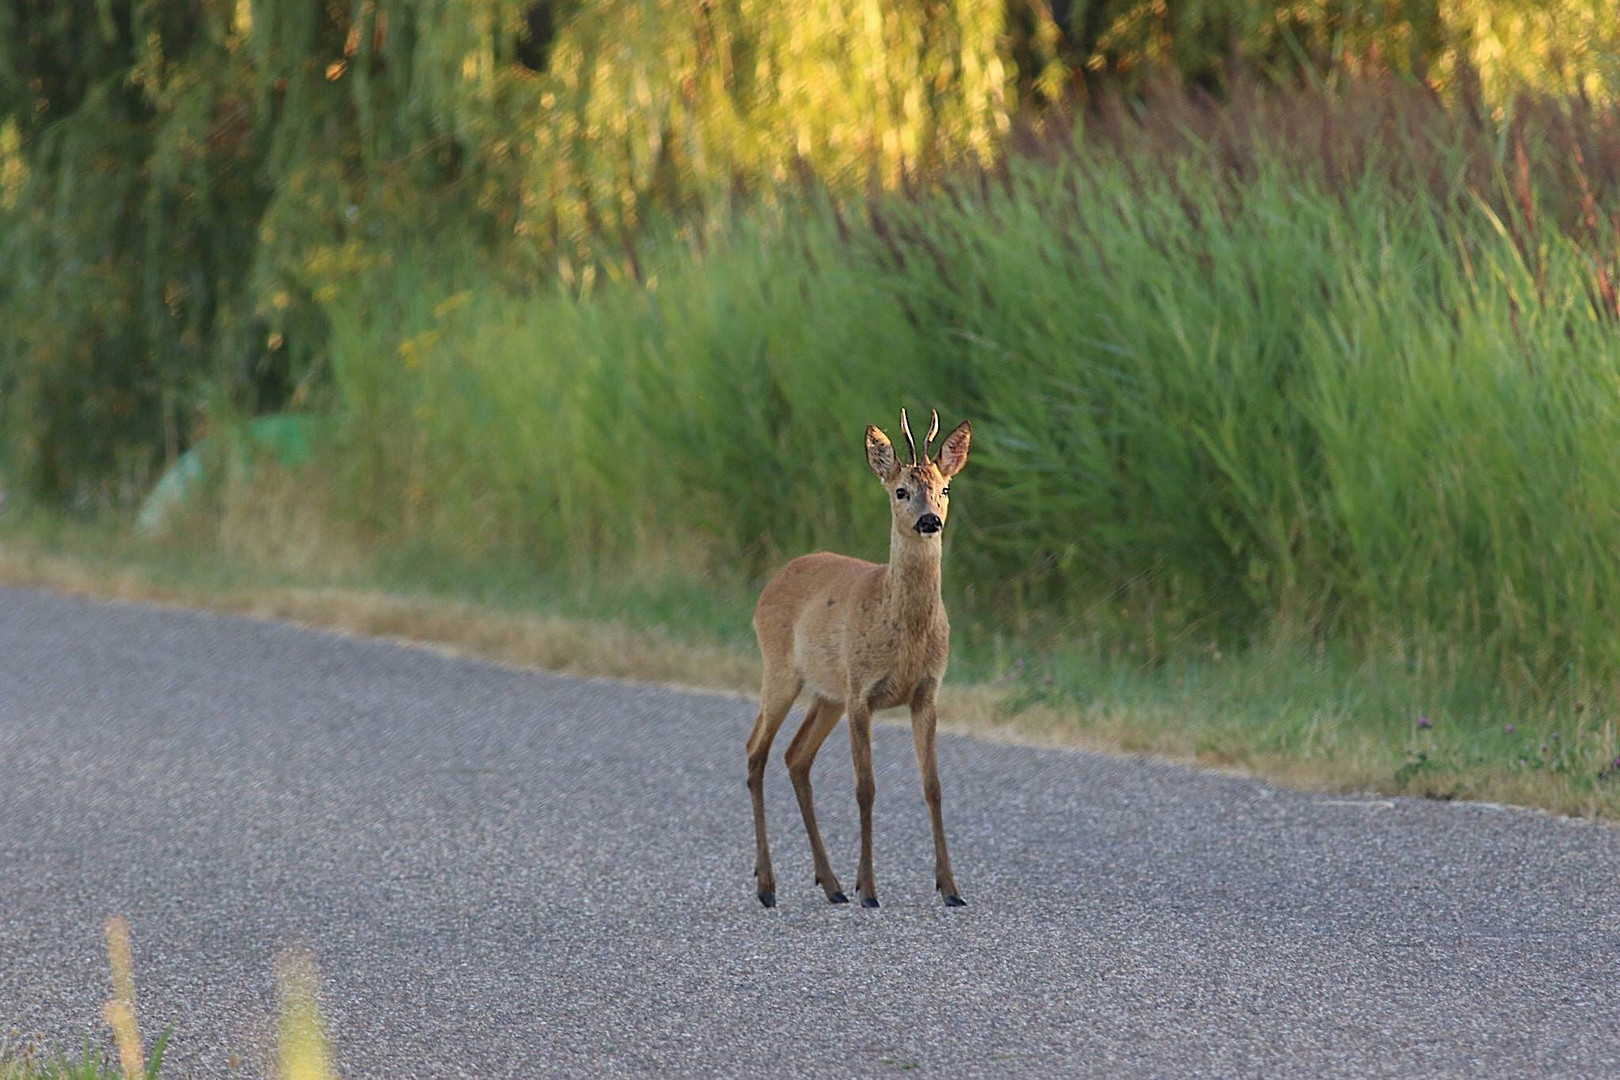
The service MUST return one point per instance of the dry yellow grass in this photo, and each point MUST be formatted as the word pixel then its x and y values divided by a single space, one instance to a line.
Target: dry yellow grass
pixel 571 646
pixel 120 1009
pixel 303 1049
pixel 551 643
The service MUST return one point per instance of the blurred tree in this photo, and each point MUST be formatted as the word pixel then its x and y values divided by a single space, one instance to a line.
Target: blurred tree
pixel 1199 40
pixel 190 177
pixel 653 103
pixel 1551 46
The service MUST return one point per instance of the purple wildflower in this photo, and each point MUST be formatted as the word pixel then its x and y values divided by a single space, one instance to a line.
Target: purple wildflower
pixel 1510 729
pixel 1425 722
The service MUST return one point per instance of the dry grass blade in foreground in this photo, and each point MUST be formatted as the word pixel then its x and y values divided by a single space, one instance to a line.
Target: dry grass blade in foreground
pixel 120 1010
pixel 302 1048
pixel 301 1033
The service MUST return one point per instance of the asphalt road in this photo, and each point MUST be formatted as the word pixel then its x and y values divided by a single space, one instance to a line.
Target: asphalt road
pixel 505 873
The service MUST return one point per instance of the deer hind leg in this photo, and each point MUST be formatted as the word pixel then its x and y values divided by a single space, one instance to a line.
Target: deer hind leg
pixel 924 720
pixel 860 745
pixel 775 699
pixel 819 721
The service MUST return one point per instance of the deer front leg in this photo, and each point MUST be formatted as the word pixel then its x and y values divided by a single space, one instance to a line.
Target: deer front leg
pixel 924 719
pixel 860 745
pixel 801 755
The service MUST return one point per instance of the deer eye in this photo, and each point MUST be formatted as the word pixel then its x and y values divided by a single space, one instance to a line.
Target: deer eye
pixel 945 491
pixel 900 493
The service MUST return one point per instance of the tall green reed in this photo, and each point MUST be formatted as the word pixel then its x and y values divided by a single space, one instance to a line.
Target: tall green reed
pixel 1224 393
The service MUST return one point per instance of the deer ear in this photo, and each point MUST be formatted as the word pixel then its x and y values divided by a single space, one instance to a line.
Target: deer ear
pixel 880 454
pixel 953 452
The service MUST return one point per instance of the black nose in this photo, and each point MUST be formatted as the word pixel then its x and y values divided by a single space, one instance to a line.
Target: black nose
pixel 929 523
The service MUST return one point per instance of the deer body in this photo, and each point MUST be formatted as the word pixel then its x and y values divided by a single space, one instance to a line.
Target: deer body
pixel 857 626
pixel 860 637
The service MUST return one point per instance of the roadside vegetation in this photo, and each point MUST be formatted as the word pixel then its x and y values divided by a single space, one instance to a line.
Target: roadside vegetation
pixel 1297 439
pixel 302 1051
pixel 1308 717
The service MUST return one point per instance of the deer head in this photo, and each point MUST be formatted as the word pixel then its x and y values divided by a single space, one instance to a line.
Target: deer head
pixel 919 490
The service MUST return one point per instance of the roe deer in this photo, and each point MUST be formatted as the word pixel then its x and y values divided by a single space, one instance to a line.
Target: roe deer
pixel 860 637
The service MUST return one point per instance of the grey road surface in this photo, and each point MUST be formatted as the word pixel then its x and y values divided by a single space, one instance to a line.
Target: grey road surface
pixel 504 873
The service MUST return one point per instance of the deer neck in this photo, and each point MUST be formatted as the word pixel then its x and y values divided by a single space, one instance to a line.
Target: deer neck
pixel 911 588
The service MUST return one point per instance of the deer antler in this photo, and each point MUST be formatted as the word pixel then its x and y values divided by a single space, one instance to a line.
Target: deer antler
pixel 905 429
pixel 933 429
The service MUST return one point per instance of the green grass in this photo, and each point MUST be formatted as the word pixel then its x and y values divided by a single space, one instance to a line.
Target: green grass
pixel 89 1062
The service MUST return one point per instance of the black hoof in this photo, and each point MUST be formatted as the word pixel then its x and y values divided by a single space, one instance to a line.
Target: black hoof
pixel 869 901
pixel 768 899
pixel 838 898
pixel 955 901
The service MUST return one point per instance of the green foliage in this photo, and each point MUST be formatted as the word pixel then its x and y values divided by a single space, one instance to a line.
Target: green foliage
pixel 1225 387
pixel 658 101
pixel 1552 46
pixel 186 178
pixel 185 188
pixel 182 188
pixel 1199 40
pixel 91 1063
